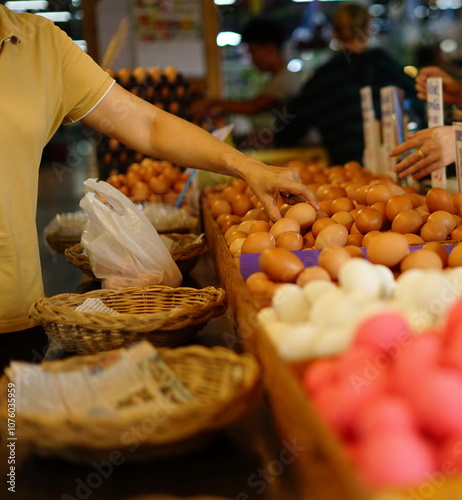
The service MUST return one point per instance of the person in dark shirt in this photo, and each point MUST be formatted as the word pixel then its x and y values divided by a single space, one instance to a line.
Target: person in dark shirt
pixel 330 100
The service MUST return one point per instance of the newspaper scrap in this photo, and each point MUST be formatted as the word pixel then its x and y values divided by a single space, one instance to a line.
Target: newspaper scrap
pixel 93 304
pixel 116 384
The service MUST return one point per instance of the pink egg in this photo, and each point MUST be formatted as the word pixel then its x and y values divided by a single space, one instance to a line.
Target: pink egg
pixel 390 459
pixel 449 455
pixel 388 331
pixel 453 318
pixel 421 355
pixel 385 413
pixel 318 374
pixel 437 401
pixel 451 354
pixel 339 403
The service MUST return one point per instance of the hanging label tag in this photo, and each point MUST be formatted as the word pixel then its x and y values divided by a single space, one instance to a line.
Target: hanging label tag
pixel 435 113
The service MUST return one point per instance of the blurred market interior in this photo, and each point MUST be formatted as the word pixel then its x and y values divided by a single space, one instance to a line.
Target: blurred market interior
pixel 200 39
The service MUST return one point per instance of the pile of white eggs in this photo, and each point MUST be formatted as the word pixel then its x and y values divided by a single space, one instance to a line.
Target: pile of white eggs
pixel 320 318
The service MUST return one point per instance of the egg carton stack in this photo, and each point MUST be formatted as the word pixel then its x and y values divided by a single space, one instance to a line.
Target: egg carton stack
pixel 166 89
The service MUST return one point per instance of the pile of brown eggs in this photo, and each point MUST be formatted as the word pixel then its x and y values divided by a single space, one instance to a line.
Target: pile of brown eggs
pixel 355 206
pixel 150 180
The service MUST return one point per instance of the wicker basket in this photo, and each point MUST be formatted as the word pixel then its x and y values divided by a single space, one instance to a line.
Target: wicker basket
pixel 163 315
pixel 185 252
pixel 59 242
pixel 225 384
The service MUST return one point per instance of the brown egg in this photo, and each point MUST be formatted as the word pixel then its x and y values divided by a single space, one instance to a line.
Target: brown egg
pixel 241 204
pixel 455 256
pixel 283 225
pixel 257 242
pixel 354 251
pixel 344 218
pixel 251 214
pixel 230 192
pixel 457 233
pixel 245 225
pixel 355 239
pixel 388 249
pixel 320 224
pixel 414 239
pixel 457 201
pixel 303 213
pixel 378 193
pixel 368 219
pixel 381 206
pixel 350 189
pixel 334 235
pixel 140 191
pixel 421 259
pixel 234 236
pixel 312 273
pixel 439 199
pixel 308 240
pixel 159 185
pixel 434 231
pixel 259 225
pixel 325 205
pixel 361 195
pixel 408 221
pixel 236 246
pixel 332 258
pixel 368 237
pixel 280 264
pixel 397 204
pixel 341 204
pixel 259 284
pixel 445 218
pixel 232 229
pixel 424 213
pixel 290 240
pixel 220 207
pixel 436 247
pixel 416 199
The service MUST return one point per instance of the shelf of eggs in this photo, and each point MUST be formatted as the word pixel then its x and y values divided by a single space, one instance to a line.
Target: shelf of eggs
pixel 360 299
pixel 165 88
pixel 143 179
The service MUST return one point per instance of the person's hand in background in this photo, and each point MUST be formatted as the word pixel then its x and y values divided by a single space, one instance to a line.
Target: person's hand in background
pixel 435 148
pixel 452 88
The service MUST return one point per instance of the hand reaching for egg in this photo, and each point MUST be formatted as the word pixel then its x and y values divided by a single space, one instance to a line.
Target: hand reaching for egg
pixel 268 183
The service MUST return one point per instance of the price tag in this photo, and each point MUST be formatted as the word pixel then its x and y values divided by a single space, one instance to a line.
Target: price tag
pixel 457 126
pixel 371 128
pixel 435 112
pixel 391 104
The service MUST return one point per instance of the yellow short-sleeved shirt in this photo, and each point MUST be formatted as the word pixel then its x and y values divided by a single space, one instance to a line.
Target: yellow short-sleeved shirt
pixel 46 80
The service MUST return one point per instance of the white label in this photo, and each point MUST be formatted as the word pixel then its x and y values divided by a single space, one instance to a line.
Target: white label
pixel 392 124
pixel 435 113
pixel 457 126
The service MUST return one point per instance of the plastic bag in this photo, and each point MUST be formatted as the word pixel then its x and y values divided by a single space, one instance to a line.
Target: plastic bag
pixel 123 246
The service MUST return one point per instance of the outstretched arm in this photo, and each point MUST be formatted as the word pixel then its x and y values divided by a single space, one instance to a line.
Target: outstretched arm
pixel 156 133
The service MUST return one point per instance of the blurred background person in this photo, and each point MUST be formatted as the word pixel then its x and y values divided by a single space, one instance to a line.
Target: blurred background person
pixel 330 99
pixel 264 38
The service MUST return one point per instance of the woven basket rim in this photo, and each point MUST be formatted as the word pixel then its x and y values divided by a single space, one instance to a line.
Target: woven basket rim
pixel 55 309
pixel 202 416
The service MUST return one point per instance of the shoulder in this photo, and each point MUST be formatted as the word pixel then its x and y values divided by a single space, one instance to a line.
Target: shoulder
pixel 24 25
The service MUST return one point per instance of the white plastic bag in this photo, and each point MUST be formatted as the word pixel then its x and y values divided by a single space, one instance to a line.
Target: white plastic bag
pixel 123 246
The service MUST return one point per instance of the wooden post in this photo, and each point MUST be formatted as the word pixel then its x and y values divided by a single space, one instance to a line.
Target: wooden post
pixel 90 27
pixel 212 55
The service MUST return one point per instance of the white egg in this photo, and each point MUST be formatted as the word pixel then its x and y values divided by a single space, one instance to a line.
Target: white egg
pixel 324 307
pixel 387 281
pixel 290 303
pixel 359 274
pixel 267 315
pixel 405 286
pixel 314 289
pixel 332 341
pixel 455 277
pixel 434 292
pixel 276 331
pixel 297 342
